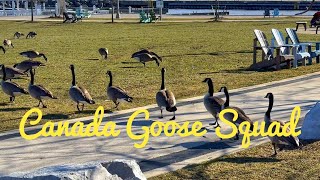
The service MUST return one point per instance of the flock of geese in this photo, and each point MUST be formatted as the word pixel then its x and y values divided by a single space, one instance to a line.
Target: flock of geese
pixel 215 105
pixel 165 98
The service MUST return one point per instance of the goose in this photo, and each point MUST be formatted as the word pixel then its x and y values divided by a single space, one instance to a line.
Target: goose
pixel 165 98
pixel 104 53
pixel 212 104
pixel 10 88
pixel 31 34
pixel 78 93
pixel 146 51
pixel 3 49
pixel 12 72
pixel 145 57
pixel 18 35
pixel 8 43
pixel 33 54
pixel 281 141
pixel 117 94
pixel 38 91
pixel 24 66
pixel 242 117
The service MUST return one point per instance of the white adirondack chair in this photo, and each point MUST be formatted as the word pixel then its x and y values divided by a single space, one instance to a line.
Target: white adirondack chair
pixel 298 51
pixel 295 40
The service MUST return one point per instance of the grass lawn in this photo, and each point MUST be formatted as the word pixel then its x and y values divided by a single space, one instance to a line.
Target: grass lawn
pixel 256 163
pixel 191 52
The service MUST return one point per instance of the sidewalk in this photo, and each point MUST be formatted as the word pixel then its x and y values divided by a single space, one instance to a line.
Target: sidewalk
pixel 162 154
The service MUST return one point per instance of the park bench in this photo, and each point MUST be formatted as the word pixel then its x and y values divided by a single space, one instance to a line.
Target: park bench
pixel 69 17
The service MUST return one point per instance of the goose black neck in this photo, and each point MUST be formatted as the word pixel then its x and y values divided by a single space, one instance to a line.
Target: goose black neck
pixel 270 106
pixel 226 104
pixel 210 86
pixel 73 77
pixel 162 81
pixel 4 74
pixel 32 77
pixel 110 76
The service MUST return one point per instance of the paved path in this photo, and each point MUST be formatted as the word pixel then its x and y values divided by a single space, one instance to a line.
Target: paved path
pixel 162 154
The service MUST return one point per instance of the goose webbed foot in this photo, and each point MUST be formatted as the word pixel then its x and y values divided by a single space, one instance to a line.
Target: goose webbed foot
pixel 173 118
pixel 117 106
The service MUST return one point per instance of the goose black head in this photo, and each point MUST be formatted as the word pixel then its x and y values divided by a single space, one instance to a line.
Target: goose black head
pixel 163 70
pixel 269 95
pixel 71 66
pixel 108 73
pixel 206 80
pixel 223 88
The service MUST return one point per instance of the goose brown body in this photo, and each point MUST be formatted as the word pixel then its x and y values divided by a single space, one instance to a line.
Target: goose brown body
pixel 212 104
pixel 145 57
pixel 117 94
pixel 278 141
pixel 39 92
pixel 26 65
pixel 10 88
pixel 8 43
pixel 78 93
pixel 103 52
pixel 165 98
pixel 33 54
pixel 242 117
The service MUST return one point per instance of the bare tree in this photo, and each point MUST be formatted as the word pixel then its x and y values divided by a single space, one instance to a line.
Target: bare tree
pixel 308 9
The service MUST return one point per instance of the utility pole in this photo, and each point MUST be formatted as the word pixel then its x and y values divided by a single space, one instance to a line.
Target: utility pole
pixel 32 10
pixel 118 9
pixel 216 12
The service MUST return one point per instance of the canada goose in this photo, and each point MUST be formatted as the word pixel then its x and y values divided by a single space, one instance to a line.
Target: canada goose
pixel 145 57
pixel 33 54
pixel 8 43
pixel 79 94
pixel 281 141
pixel 18 35
pixel 12 72
pixel 24 66
pixel 10 88
pixel 117 94
pixel 103 52
pixel 242 117
pixel 212 104
pixel 165 98
pixel 148 52
pixel 31 34
pixel 38 91
pixel 3 49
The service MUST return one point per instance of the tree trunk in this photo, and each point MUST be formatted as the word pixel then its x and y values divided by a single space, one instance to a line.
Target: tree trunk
pixel 308 9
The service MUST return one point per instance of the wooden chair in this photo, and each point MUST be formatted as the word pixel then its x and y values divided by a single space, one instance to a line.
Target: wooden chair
pixel 268 59
pixel 292 35
pixel 298 51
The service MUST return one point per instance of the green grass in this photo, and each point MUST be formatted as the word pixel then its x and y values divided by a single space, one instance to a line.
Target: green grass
pixel 191 52
pixel 256 163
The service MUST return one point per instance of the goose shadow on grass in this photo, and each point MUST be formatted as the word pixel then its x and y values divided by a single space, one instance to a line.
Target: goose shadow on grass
pixel 92 59
pixel 13 109
pixel 231 71
pixel 244 160
pixel 127 62
pixel 132 67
